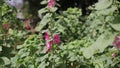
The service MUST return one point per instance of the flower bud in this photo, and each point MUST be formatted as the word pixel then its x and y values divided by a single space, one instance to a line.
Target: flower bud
pixel 114 55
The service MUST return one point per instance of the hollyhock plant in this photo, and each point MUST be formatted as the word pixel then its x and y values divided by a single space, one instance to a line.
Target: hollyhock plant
pixel 116 42
pixel 51 3
pixel 56 39
pixel 49 42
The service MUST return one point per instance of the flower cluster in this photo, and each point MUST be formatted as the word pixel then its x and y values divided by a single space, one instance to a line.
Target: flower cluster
pixel 116 42
pixel 49 41
pixel 51 3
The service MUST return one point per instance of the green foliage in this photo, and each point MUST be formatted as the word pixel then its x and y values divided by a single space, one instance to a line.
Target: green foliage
pixel 10 34
pixel 85 40
pixel 29 53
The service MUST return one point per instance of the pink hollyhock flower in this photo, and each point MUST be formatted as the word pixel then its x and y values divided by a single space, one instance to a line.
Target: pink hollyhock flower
pixel 114 55
pixel 116 42
pixel 51 3
pixel 28 27
pixel 56 39
pixel 48 42
pixel 47 37
pixel 117 37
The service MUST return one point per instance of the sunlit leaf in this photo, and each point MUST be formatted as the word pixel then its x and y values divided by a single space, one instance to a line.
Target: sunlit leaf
pixel 99 45
pixel 103 4
pixel 6 60
pixel 0 48
pixel 43 22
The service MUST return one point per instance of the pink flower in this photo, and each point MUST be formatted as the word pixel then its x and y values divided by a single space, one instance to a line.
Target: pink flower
pixel 51 3
pixel 48 45
pixel 56 39
pixel 48 42
pixel 28 27
pixel 114 55
pixel 117 38
pixel 47 37
pixel 116 42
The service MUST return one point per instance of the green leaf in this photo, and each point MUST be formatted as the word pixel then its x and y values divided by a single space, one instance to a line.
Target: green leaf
pixel 103 4
pixel 41 11
pixel 88 52
pixel 1 62
pixel 43 22
pixel 100 44
pixel 43 64
pixel 107 11
pixel 43 2
pixel 116 23
pixel 6 60
pixel 0 48
pixel 53 9
pixel 104 40
pixel 116 26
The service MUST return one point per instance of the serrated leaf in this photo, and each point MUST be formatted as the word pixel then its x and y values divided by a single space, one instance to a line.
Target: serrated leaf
pixel 103 4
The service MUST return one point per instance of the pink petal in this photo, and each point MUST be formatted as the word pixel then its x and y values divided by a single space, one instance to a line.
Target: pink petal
pixel 47 37
pixel 114 55
pixel 51 3
pixel 117 38
pixel 117 47
pixel 28 27
pixel 116 42
pixel 49 44
pixel 56 39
